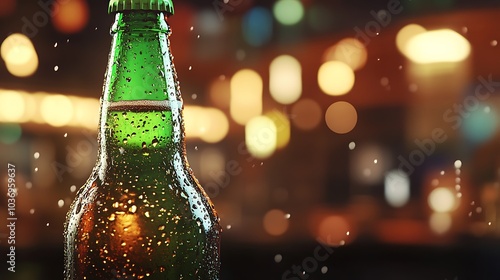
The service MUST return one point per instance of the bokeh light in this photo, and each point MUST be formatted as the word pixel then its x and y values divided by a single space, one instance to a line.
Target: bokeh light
pixel 10 133
pixel 288 12
pixel 481 123
pixel 440 223
pixel 7 7
pixel 261 137
pixel 19 55
pixel 283 129
pixel 397 188
pixel 319 17
pixel 306 114
pixel 220 92
pixel 341 117
pixel 405 34
pixel 436 46
pixel 285 79
pixel 246 96
pixel 70 16
pixel 442 200
pixel 209 124
pixel 257 26
pixel 334 230
pixel 350 51
pixel 275 223
pixel 56 110
pixel 12 106
pixel 335 78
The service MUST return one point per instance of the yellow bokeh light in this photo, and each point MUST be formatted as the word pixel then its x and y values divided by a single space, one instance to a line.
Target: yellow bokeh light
pixel 72 15
pixel 440 223
pixel 19 55
pixel 350 51
pixel 442 200
pixel 275 223
pixel 209 124
pixel 86 112
pixel 406 34
pixel 341 117
pixel 12 106
pixel 306 114
pixel 57 110
pixel 285 79
pixel 246 96
pixel 437 46
pixel 261 137
pixel 282 124
pixel 220 93
pixel 335 78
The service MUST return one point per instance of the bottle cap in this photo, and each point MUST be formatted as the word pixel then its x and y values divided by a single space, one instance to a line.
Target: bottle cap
pixel 148 5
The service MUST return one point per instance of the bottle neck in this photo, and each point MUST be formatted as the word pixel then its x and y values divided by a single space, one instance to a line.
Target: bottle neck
pixel 141 107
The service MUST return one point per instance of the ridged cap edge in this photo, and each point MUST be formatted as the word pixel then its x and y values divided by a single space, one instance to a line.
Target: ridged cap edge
pixel 147 5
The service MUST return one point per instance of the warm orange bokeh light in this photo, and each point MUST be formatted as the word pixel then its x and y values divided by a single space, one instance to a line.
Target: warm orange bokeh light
pixel 71 16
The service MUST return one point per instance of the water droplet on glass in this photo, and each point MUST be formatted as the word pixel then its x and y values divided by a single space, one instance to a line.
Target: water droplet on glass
pixel 60 203
pixel 36 155
pixel 144 145
pixel 154 142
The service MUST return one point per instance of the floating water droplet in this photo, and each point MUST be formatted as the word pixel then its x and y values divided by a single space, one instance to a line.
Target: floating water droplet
pixel 494 43
pixel 348 233
pixel 194 96
pixel 324 269
pixel 190 68
pixel 191 28
pixel 196 148
pixel 278 258
pixel 400 67
pixel 352 146
pixel 228 227
pixel 287 216
pixel 65 135
pixel 198 36
pixel 458 164
pixel 36 155
pixel 60 203
pixel 56 68
pixel 32 211
pixel 36 169
pixel 29 185
pixel 375 161
pixel 48 224
pixel 55 45
pixel 442 172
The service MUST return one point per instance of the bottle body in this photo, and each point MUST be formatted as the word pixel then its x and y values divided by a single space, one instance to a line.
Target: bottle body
pixel 142 214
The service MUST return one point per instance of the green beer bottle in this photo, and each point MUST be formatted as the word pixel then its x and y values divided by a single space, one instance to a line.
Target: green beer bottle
pixel 141 214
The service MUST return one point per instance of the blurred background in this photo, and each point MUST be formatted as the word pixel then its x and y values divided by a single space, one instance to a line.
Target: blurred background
pixel 337 139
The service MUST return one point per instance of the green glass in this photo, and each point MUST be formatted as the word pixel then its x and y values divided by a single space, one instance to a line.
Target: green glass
pixel 142 214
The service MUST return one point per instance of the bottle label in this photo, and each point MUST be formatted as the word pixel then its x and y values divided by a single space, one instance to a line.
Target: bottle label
pixel 143 104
